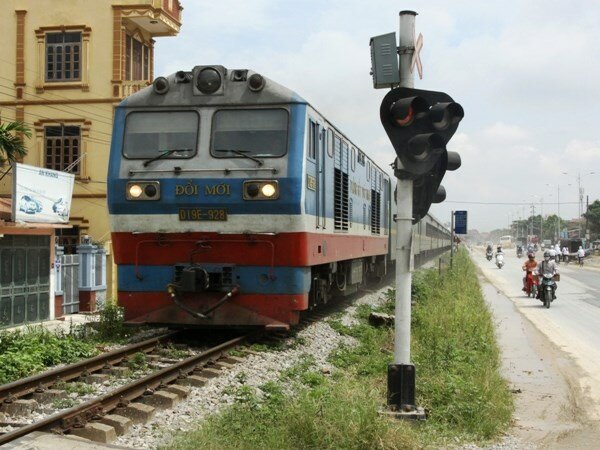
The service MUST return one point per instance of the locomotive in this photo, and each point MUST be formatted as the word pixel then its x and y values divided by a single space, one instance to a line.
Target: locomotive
pixel 234 202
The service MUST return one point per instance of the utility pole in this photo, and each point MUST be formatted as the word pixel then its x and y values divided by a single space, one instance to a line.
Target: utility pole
pixel 587 208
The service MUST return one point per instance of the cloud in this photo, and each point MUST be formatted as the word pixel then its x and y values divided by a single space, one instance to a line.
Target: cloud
pixel 501 131
pixel 583 150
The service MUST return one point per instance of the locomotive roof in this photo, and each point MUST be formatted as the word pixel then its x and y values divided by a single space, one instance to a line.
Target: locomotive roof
pixel 235 91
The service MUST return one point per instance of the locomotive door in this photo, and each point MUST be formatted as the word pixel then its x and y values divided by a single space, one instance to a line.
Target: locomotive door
pixel 320 156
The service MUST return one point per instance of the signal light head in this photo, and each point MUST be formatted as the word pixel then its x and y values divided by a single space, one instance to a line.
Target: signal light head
pixel 444 115
pixel 406 110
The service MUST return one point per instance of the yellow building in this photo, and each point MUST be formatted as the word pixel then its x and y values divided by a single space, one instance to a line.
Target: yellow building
pixel 64 65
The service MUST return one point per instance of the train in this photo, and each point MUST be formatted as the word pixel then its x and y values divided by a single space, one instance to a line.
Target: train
pixel 233 202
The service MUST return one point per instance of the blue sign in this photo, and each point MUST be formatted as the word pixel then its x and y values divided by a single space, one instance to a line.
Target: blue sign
pixel 460 222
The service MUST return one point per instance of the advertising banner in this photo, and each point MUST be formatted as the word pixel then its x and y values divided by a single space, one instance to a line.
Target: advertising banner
pixel 41 195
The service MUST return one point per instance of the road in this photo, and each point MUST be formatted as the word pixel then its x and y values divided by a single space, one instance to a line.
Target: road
pixel 572 324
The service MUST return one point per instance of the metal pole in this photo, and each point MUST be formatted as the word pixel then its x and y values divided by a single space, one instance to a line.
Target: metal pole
pixel 542 219
pixel 451 238
pixel 558 222
pixel 401 374
pixel 403 272
pixel 580 201
pixel 587 207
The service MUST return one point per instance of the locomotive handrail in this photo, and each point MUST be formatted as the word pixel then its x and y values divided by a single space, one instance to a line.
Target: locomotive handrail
pixel 179 170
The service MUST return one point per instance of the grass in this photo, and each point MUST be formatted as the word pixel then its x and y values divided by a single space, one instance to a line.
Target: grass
pixel 457 364
pixel 23 353
pixel 34 349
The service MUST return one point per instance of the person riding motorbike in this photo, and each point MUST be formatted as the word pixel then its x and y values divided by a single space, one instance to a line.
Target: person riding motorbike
pixel 519 251
pixel 529 266
pixel 547 268
pixel 499 257
pixel 489 252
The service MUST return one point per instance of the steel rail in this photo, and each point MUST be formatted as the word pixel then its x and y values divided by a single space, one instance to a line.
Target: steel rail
pixel 95 408
pixel 28 385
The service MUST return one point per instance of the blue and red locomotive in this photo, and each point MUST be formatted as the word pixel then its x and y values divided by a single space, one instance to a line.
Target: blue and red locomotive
pixel 233 202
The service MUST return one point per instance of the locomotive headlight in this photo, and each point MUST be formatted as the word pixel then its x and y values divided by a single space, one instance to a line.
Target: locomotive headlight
pixel 142 190
pixel 252 190
pixel 268 190
pixel 209 80
pixel 261 190
pixel 135 190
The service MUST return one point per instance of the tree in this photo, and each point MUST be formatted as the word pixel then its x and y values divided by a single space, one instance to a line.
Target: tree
pixel 593 218
pixel 12 146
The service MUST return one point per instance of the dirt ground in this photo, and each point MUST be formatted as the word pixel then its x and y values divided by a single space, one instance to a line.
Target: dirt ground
pixel 551 407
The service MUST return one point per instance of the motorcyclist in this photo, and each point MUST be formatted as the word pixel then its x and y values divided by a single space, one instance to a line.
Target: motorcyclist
pixel 547 268
pixel 499 254
pixel 529 266
pixel 489 248
pixel 519 250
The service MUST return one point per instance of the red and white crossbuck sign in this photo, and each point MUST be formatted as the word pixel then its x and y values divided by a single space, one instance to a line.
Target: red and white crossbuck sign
pixel 416 59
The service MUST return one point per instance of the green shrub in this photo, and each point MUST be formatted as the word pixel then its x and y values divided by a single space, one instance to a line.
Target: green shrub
pixel 23 353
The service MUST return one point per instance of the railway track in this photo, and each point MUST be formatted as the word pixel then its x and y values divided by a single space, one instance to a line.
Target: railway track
pixel 156 387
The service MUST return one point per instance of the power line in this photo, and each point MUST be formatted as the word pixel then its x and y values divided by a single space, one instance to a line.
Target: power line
pixel 50 93
pixel 508 203
pixel 102 120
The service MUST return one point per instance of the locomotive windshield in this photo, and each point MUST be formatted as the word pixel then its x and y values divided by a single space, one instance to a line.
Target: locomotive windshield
pixel 238 133
pixel 168 134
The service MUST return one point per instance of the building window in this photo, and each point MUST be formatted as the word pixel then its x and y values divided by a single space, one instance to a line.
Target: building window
pixel 68 238
pixel 137 63
pixel 63 147
pixel 63 56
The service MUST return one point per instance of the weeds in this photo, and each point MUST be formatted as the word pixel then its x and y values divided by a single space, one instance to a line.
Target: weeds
pixel 457 381
pixel 23 353
pixel 111 323
pixel 75 387
pixel 63 403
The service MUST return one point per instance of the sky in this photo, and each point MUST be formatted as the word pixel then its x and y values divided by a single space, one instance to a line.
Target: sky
pixel 527 74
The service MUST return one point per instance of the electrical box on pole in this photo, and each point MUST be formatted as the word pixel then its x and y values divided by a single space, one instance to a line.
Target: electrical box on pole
pixel 384 61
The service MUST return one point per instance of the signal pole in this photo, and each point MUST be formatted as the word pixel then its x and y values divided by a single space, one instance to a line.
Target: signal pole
pixel 401 374
pixel 419 124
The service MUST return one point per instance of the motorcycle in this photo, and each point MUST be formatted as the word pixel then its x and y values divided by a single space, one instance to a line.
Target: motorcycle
pixel 489 255
pixel 500 260
pixel 519 252
pixel 565 258
pixel 531 284
pixel 548 289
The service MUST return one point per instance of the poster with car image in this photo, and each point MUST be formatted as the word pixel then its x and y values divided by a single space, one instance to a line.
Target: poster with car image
pixel 41 195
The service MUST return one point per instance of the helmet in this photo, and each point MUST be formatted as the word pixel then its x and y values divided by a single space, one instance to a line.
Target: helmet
pixel 546 254
pixel 531 255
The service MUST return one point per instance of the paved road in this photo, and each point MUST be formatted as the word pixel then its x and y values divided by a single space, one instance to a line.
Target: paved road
pixel 572 323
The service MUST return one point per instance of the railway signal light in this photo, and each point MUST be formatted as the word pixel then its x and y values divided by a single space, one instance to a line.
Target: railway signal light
pixel 419 124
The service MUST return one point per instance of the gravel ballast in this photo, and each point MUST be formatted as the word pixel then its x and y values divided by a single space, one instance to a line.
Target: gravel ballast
pixel 316 340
